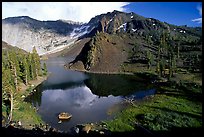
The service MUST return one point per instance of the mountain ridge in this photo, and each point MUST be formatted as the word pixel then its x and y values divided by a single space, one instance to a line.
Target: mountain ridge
pixel 129 37
pixel 55 36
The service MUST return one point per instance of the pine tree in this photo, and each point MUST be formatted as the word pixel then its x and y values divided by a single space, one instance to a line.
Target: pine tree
pixel 12 60
pixel 31 67
pixel 170 66
pixel 149 59
pixel 174 67
pixel 17 67
pixel 36 61
pixel 45 68
pixel 178 52
pixel 158 60
pixel 149 55
pixel 26 65
pixel 171 59
pixel 9 86
pixel 24 69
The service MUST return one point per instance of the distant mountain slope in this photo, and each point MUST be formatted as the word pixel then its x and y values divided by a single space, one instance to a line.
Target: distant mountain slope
pixel 46 36
pixel 7 47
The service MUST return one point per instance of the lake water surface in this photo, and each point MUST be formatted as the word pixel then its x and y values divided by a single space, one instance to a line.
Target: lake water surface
pixel 88 97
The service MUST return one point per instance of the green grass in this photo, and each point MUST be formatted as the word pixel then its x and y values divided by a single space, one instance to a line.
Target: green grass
pixel 120 126
pixel 3 110
pixel 171 108
pixel 26 114
pixel 24 111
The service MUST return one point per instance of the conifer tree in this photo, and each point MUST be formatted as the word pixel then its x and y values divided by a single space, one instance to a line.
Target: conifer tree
pixel 26 65
pixel 45 68
pixel 149 59
pixel 31 66
pixel 149 54
pixel 9 86
pixel 158 69
pixel 17 67
pixel 12 60
pixel 24 69
pixel 36 61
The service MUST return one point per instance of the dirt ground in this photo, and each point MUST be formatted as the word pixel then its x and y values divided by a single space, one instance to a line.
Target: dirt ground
pixel 39 80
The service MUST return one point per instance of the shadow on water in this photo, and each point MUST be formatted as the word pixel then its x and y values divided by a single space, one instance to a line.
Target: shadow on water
pixel 117 85
pixel 62 86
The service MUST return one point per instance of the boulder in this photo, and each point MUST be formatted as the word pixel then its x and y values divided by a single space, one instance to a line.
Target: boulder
pixel 64 116
pixel 87 128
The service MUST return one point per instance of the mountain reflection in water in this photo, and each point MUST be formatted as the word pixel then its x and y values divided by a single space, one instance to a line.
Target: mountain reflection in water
pixel 87 97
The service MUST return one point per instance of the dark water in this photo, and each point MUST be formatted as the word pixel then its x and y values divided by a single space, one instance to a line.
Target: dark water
pixel 88 97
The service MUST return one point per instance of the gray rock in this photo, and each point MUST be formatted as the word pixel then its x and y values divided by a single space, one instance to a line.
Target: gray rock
pixel 76 130
pixel 101 132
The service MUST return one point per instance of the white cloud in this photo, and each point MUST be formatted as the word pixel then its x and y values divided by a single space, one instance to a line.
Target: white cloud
pixel 198 20
pixel 75 11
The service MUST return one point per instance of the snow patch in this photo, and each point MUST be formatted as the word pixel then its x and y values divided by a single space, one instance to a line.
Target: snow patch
pixel 182 31
pixel 77 32
pixel 111 20
pixel 153 24
pixel 123 26
pixel 134 30
pixel 131 17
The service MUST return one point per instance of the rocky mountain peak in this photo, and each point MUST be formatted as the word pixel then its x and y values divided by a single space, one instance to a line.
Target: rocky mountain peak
pixel 26 32
pixel 19 20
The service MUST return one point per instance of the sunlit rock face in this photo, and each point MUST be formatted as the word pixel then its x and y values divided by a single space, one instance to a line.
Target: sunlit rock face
pixel 47 36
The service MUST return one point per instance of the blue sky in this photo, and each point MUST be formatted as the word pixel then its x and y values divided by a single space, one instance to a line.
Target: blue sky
pixel 178 13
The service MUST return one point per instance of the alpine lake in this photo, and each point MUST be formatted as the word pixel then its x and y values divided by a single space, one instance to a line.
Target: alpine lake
pixel 87 97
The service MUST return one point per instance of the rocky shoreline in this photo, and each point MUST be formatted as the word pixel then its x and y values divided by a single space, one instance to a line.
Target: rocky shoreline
pixel 15 129
pixel 66 66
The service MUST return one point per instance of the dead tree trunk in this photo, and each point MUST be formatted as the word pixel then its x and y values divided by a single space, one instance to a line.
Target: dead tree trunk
pixel 11 111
